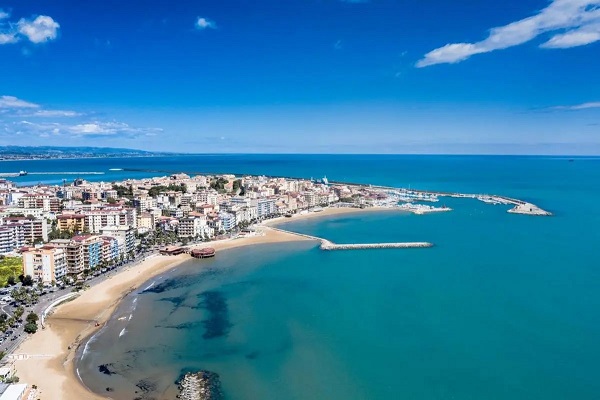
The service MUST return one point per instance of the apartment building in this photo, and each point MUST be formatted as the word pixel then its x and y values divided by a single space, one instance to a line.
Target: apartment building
pixel 33 229
pixel 145 222
pixel 192 227
pixel 74 255
pixel 145 203
pixel 98 219
pixel 71 222
pixel 228 221
pixel 46 202
pixel 12 237
pixel 110 249
pixel 125 236
pixel 46 264
pixel 265 207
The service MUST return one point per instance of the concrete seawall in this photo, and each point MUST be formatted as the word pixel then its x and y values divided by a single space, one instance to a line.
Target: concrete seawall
pixel 328 245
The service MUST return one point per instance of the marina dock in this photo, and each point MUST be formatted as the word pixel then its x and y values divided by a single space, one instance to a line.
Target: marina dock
pixel 520 206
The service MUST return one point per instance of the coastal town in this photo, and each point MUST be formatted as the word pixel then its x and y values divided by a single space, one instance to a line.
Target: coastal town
pixel 57 240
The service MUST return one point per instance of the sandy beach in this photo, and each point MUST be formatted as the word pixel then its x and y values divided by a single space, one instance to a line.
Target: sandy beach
pixel 333 211
pixel 47 357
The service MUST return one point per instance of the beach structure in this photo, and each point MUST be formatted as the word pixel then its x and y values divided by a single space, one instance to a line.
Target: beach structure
pixel 206 252
pixel 172 251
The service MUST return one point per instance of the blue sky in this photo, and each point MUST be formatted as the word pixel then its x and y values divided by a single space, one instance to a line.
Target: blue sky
pixel 309 76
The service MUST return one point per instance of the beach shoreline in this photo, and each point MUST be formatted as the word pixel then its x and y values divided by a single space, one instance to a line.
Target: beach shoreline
pixel 48 358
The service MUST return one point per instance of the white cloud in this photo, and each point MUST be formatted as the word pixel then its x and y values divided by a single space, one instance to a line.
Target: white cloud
pixel 11 105
pixel 14 103
pixel 4 14
pixel 204 23
pixel 582 106
pixel 579 18
pixel 97 128
pixel 63 123
pixel 40 30
pixel 7 38
pixel 93 129
pixel 56 113
pixel 576 37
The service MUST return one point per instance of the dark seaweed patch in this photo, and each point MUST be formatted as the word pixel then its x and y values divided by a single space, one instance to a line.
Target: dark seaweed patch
pixel 146 386
pixel 176 301
pixel 166 285
pixel 106 369
pixel 253 355
pixel 185 325
pixel 217 324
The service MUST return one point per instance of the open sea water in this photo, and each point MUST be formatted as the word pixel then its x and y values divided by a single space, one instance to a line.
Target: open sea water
pixel 503 307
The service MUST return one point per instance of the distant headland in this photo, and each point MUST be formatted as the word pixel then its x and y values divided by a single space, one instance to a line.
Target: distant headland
pixel 17 153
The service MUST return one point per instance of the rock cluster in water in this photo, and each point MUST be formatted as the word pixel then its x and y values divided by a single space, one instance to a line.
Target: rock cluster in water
pixel 202 385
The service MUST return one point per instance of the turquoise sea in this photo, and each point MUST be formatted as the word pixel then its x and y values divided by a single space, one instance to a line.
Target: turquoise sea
pixel 503 307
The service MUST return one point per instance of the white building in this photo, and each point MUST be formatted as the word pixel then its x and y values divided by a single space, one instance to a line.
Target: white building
pixel 265 207
pixel 125 236
pixel 96 220
pixel 12 237
pixel 227 221
pixel 192 227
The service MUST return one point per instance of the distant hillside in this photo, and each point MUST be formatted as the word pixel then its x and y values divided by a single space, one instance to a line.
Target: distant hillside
pixel 42 152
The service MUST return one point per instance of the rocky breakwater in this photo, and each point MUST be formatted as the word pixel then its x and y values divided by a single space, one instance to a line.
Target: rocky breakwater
pixel 202 385
pixel 327 245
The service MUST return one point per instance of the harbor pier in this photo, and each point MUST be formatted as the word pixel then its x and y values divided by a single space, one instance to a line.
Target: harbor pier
pixel 328 245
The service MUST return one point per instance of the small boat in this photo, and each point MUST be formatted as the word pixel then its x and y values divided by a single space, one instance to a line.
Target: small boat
pixel 22 173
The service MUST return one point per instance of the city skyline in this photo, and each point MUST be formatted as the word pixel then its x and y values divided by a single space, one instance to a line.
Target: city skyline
pixel 328 76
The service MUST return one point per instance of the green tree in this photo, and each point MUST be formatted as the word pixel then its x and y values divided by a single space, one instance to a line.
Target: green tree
pixel 19 311
pixel 32 318
pixel 31 328
pixel 28 281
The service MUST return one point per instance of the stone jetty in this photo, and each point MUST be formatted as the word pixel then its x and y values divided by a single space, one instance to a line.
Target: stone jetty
pixel 328 245
pixel 202 385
